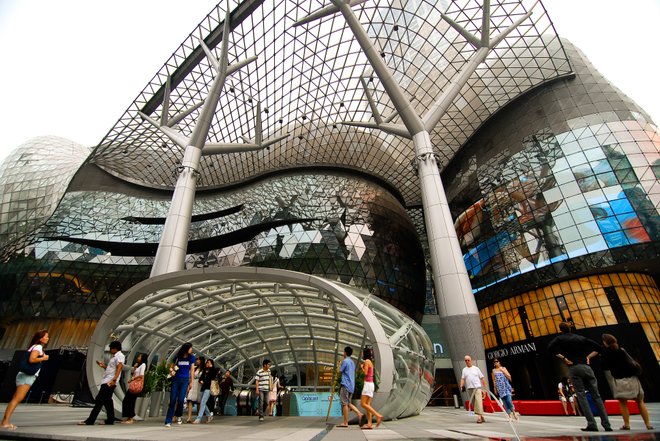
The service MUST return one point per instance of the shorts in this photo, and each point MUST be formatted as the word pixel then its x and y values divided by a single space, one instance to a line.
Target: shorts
pixel 25 379
pixel 345 396
pixel 368 389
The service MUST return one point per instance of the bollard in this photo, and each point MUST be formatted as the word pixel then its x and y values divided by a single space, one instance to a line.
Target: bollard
pixel 456 406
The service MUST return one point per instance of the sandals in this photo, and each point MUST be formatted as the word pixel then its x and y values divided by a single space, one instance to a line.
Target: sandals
pixel 379 420
pixel 624 428
pixel 9 427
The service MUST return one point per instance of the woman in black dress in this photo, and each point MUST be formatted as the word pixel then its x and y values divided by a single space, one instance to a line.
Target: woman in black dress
pixel 622 367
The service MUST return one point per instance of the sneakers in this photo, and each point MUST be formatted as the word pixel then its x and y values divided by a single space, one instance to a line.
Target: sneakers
pixel 168 425
pixel 179 421
pixel 261 418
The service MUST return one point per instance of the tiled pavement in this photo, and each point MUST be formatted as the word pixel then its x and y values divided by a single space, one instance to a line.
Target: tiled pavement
pixel 434 423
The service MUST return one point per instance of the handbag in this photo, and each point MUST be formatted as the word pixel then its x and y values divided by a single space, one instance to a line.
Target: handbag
pixel 25 366
pixel 136 385
pixel 215 388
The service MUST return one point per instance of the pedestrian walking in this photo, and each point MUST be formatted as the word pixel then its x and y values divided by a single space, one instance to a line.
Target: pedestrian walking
pixel 576 351
pixel 347 373
pixel 182 373
pixel 226 386
pixel 368 389
pixel 264 385
pixel 109 382
pixel 207 376
pixel 28 371
pixel 474 382
pixel 623 371
pixel 503 388
pixel 194 393
pixel 272 395
pixel 137 375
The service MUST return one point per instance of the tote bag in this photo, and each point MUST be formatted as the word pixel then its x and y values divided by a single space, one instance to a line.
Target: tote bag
pixel 25 366
pixel 215 388
pixel 135 387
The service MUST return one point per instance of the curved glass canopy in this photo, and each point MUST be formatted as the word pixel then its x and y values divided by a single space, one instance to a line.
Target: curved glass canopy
pixel 239 316
pixel 310 78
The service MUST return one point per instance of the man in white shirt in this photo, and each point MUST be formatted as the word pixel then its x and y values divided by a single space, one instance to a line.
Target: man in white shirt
pixel 110 379
pixel 473 379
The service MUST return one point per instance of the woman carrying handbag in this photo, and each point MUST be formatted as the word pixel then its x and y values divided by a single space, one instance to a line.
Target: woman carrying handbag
pixel 135 386
pixel 621 372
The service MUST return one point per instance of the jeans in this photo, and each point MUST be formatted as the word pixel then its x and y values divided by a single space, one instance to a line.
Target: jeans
pixel 508 403
pixel 263 403
pixel 177 395
pixel 203 408
pixel 583 376
pixel 103 399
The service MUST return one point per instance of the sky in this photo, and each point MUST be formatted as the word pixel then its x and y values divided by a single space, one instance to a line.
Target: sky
pixel 70 68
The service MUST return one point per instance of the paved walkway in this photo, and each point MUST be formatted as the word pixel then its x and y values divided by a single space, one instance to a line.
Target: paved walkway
pixel 58 422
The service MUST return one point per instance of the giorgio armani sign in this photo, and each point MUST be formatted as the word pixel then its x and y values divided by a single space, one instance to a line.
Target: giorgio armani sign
pixel 522 348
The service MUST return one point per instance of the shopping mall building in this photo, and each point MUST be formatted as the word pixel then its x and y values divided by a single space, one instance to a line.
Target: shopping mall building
pixel 431 178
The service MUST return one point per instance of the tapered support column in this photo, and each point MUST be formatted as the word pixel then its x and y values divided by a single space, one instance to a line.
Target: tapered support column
pixel 171 252
pixel 453 293
pixel 456 305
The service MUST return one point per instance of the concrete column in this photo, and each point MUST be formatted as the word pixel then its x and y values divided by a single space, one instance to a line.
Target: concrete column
pixel 457 307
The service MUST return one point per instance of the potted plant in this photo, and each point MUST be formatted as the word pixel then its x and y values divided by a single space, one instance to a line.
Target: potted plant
pixel 142 403
pixel 156 384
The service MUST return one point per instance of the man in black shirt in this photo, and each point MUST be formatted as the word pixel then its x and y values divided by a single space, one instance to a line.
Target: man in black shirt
pixel 576 351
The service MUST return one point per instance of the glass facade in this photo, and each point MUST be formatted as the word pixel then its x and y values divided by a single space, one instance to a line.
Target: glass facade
pixel 33 179
pixel 574 179
pixel 586 302
pixel 552 177
pixel 98 243
pixel 564 195
pixel 569 189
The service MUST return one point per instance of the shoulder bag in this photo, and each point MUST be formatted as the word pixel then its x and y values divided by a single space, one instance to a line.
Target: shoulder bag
pixel 136 385
pixel 634 366
pixel 214 388
pixel 25 366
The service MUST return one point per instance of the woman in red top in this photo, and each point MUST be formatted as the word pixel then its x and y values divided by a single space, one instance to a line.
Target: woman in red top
pixel 368 388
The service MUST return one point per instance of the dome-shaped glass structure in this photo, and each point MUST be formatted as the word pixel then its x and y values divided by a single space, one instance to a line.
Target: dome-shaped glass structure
pixel 33 179
pixel 239 316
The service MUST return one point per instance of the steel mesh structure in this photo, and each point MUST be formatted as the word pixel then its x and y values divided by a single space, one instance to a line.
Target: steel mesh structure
pixel 308 81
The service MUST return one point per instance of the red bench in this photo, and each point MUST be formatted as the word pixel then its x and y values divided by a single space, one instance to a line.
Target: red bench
pixel 554 407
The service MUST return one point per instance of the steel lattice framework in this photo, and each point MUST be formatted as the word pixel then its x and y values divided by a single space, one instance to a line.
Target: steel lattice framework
pixel 309 79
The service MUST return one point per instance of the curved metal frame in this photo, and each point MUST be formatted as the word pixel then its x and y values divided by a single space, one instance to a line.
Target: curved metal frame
pixel 292 318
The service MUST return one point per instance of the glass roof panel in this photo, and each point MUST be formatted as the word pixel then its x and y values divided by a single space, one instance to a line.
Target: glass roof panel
pixel 307 79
